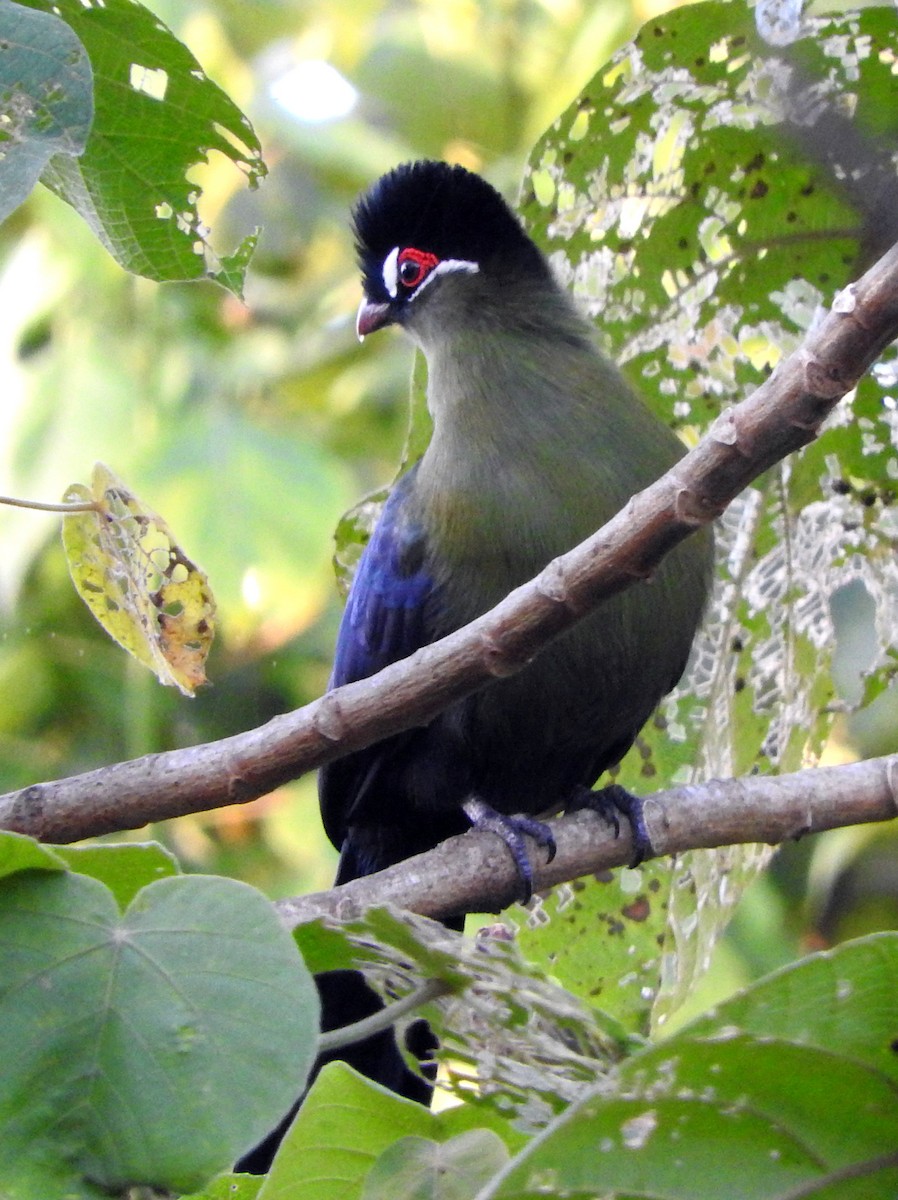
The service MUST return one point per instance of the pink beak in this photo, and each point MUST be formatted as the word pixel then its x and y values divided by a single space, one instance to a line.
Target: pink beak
pixel 371 316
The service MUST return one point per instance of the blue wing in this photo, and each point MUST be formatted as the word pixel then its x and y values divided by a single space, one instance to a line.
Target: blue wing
pixel 386 619
pixel 384 616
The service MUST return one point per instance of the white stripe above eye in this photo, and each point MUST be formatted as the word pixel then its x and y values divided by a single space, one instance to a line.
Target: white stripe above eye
pixel 446 267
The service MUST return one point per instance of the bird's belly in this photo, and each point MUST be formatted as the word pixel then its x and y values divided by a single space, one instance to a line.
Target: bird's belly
pixel 525 743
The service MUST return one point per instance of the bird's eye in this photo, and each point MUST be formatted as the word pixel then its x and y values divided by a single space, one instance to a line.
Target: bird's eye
pixel 413 267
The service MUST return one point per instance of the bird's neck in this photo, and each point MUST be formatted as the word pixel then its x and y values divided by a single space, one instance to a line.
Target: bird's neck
pixel 512 384
pixel 521 412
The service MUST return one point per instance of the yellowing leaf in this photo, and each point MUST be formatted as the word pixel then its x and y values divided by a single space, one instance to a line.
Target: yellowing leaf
pixel 138 583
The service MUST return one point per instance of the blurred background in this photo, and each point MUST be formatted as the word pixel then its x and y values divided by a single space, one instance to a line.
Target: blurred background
pixel 252 427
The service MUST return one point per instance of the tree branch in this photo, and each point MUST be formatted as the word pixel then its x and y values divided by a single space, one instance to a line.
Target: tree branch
pixel 781 416
pixel 475 872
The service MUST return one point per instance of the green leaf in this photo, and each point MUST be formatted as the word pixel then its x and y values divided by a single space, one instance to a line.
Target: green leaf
pixel 18 852
pixel 704 242
pixel 157 116
pixel 230 1187
pixel 46 101
pixel 843 999
pixel 124 868
pixel 599 937
pixel 791 1085
pixel 532 1045
pixel 324 947
pixel 698 1147
pixel 152 1047
pixel 338 1134
pixel 789 1088
pixel 346 1123
pixel 416 1168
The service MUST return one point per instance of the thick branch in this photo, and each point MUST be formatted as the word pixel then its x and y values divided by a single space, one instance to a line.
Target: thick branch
pixel 475 872
pixel 783 414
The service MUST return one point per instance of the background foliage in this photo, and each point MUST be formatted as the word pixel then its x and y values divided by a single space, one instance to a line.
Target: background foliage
pixel 253 427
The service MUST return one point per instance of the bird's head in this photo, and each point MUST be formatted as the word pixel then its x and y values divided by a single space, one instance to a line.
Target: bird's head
pixel 426 223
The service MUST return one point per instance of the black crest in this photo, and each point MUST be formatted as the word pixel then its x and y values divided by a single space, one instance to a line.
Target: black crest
pixel 443 209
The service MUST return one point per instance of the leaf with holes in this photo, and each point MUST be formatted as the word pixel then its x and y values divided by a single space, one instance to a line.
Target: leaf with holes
pixel 138 583
pixel 693 203
pixel 531 1045
pixel 157 117
pixel 788 1089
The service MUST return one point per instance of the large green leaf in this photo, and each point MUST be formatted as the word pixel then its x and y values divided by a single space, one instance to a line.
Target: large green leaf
pixel 789 1089
pixel 843 1000
pixel 46 101
pixel 347 1123
pixel 157 116
pixel 21 853
pixel 338 1135
pixel 124 868
pixel 150 1046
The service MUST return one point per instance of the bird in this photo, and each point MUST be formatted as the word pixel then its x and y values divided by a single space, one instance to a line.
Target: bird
pixel 537 441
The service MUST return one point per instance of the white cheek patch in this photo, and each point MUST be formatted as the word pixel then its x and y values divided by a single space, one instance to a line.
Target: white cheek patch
pixel 391 272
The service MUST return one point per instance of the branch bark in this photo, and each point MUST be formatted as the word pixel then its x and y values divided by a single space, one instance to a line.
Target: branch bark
pixel 784 414
pixel 475 872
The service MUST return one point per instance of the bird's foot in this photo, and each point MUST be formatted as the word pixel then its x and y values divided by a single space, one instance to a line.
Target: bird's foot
pixel 512 831
pixel 608 803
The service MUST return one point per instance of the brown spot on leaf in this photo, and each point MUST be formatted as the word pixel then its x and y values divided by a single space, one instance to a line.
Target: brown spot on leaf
pixel 639 910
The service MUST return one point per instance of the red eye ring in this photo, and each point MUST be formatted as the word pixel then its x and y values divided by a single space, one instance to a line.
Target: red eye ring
pixel 413 267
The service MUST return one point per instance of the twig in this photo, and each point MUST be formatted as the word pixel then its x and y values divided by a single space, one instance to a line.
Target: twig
pixel 430 989
pixel 475 873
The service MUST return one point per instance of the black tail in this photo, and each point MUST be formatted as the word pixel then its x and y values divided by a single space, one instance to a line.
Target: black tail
pixel 347 998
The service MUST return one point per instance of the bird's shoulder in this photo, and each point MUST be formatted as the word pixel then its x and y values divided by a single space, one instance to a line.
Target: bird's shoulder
pixel 384 619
